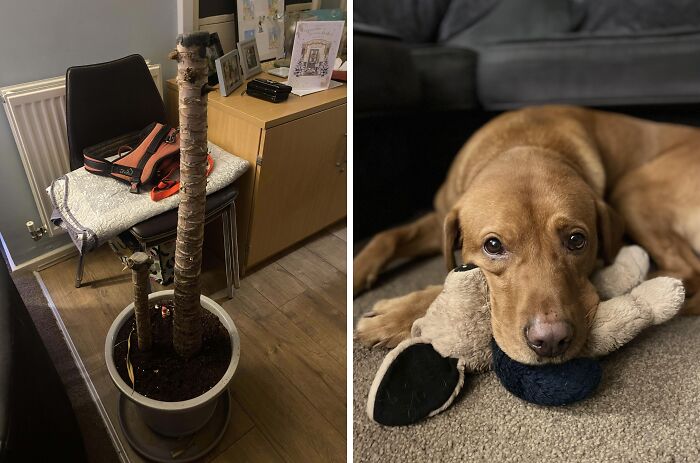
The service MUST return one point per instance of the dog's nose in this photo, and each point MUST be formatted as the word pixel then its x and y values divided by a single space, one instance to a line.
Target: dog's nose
pixel 548 339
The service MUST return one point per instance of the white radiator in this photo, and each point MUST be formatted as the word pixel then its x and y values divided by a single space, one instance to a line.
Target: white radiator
pixel 37 115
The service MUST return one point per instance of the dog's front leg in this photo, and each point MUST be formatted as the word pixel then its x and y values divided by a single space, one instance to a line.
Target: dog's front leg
pixel 390 320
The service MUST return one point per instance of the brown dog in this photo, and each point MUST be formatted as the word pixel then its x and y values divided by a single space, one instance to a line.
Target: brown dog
pixel 525 197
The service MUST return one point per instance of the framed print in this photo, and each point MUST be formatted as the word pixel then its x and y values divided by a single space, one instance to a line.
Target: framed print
pixel 250 60
pixel 228 69
pixel 214 52
pixel 316 46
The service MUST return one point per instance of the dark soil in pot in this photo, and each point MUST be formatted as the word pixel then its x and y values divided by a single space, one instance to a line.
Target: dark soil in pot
pixel 161 374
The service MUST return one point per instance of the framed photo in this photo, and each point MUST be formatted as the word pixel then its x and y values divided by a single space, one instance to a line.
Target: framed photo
pixel 214 52
pixel 250 60
pixel 228 68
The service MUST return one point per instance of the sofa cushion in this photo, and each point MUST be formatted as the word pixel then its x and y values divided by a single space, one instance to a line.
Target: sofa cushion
pixel 462 14
pixel 635 16
pixel 594 70
pixel 415 21
pixel 472 25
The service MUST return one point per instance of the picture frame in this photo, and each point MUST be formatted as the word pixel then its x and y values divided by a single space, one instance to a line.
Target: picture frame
pixel 214 52
pixel 228 69
pixel 250 60
pixel 316 45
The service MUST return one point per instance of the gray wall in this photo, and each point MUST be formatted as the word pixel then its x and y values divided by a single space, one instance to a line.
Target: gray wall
pixel 41 39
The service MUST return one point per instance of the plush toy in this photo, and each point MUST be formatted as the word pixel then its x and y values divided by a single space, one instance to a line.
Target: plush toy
pixel 422 375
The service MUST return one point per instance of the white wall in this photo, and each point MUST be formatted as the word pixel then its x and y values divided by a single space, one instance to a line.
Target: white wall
pixel 41 39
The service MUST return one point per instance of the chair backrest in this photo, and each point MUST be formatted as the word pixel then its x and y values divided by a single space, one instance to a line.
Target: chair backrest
pixel 106 100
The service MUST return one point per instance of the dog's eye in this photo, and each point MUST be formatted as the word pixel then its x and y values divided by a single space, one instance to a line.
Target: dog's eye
pixel 576 242
pixel 493 246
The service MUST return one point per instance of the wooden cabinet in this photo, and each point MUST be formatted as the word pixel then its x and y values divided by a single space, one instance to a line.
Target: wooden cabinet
pixel 298 178
pixel 300 186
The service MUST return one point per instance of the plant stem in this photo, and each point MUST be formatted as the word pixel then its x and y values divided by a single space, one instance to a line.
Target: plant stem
pixel 139 263
pixel 191 79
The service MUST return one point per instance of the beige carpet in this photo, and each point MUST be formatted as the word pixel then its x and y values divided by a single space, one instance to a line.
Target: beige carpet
pixel 647 408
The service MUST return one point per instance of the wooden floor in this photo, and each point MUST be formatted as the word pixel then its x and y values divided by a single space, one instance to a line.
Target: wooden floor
pixel 289 392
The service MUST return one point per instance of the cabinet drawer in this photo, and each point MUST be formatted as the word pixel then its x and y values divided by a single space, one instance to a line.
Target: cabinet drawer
pixel 300 184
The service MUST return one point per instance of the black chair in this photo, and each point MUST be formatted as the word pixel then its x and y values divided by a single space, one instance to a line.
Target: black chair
pixel 109 100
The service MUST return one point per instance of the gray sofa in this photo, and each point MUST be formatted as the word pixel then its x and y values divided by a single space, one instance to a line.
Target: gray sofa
pixel 37 421
pixel 430 72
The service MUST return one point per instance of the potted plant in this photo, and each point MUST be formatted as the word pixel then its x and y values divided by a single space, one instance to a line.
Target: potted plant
pixel 177 330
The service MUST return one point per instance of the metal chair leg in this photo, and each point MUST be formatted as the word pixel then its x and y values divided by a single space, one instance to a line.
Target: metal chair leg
pixel 234 242
pixel 79 271
pixel 226 219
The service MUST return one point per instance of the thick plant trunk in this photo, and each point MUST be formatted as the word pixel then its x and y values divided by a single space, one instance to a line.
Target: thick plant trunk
pixel 139 263
pixel 191 79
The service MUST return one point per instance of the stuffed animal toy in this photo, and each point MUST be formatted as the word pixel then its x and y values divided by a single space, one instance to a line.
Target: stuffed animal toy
pixel 422 375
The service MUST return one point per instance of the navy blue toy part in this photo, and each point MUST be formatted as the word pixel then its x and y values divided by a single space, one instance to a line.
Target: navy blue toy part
pixel 416 382
pixel 551 384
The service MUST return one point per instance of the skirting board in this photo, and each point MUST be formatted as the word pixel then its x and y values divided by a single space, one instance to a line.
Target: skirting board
pixel 43 261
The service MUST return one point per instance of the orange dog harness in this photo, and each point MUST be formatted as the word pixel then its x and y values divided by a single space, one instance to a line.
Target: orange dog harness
pixel 170 184
pixel 157 150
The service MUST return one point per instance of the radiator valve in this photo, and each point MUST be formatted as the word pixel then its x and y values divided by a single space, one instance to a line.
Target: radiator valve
pixel 36 233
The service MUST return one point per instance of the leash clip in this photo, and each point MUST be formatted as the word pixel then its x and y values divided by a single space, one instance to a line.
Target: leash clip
pixel 172 136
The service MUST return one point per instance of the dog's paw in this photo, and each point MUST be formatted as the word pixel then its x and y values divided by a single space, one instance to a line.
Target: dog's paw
pixel 663 295
pixel 390 320
pixel 383 326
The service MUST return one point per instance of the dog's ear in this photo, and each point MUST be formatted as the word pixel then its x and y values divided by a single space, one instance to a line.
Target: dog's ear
pixel 611 228
pixel 450 234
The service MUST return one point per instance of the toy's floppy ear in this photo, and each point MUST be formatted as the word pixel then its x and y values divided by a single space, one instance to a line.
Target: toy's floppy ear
pixel 611 227
pixel 450 235
pixel 413 382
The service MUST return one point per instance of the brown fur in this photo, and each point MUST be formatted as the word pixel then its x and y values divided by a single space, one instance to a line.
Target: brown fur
pixel 530 178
